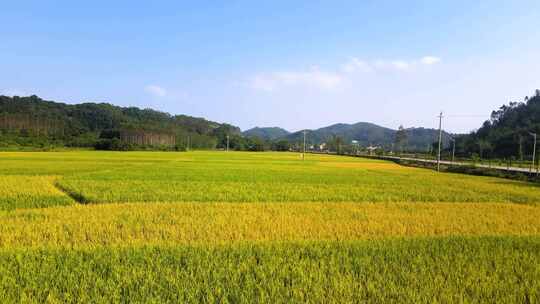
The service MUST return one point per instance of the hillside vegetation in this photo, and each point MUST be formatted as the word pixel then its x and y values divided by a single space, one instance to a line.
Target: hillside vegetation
pixel 31 121
pixel 36 123
pixel 507 133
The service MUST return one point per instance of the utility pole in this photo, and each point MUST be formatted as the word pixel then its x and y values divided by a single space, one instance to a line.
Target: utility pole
pixel 227 143
pixel 188 142
pixel 453 148
pixel 440 143
pixel 534 154
pixel 304 153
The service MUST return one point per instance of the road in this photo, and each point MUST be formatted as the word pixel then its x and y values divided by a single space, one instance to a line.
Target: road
pixel 431 161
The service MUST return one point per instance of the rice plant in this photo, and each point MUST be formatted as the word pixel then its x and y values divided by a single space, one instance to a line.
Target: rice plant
pixel 260 227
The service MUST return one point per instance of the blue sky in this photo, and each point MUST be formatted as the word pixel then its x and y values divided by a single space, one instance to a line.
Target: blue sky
pixel 294 64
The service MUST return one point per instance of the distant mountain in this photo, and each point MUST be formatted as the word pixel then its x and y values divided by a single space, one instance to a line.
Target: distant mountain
pixel 368 134
pixel 271 133
pixel 365 133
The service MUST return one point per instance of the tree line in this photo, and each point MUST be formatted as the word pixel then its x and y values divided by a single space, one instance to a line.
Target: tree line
pixel 32 121
pixel 507 134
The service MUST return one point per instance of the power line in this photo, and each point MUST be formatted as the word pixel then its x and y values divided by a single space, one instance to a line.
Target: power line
pixel 466 115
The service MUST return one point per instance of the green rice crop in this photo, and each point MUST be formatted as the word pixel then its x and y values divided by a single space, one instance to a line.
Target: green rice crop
pixel 113 177
pixel 253 178
pixel 448 270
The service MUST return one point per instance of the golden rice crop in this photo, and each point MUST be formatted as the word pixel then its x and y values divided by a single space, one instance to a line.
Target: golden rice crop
pixel 18 191
pixel 223 223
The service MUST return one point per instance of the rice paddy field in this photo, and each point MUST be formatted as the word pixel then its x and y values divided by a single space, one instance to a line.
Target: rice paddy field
pixel 239 227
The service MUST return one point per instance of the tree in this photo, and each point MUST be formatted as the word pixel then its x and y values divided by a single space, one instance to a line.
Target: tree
pixel 400 140
pixel 336 144
pixel 483 145
pixel 281 145
pixel 256 144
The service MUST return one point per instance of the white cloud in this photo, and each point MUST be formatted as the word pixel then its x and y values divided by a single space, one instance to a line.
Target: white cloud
pixel 356 64
pixel 262 82
pixel 401 65
pixel 328 80
pixel 155 90
pixel 429 60
pixel 13 92
pixel 313 78
pixel 393 65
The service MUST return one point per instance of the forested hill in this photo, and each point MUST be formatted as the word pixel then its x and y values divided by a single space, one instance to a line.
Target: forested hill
pixel 269 133
pixel 508 133
pixel 417 139
pixel 32 121
pixel 366 133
